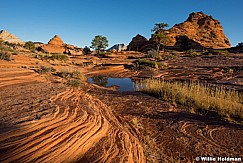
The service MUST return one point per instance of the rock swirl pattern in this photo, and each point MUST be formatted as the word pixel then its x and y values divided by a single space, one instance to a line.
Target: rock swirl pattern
pixel 77 128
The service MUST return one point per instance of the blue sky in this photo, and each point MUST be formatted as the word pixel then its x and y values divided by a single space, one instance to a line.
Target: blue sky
pixel 78 21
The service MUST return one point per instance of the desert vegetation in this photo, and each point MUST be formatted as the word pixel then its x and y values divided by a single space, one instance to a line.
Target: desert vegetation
pixel 30 46
pixel 196 97
pixel 99 43
pixel 44 69
pixel 5 51
pixel 70 74
pixel 160 36
pixel 144 63
pixel 60 57
pixel 4 56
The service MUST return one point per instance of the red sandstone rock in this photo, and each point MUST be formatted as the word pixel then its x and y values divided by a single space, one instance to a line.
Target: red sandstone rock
pixel 202 29
pixel 137 43
pixel 55 45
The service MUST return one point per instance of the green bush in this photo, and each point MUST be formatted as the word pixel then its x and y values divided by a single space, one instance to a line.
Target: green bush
pixel 217 52
pixel 170 56
pixel 162 64
pixel 67 75
pixel 145 63
pixel 221 52
pixel 191 53
pixel 74 82
pixel 5 56
pixel 30 45
pixel 60 57
pixel 45 69
pixel 70 75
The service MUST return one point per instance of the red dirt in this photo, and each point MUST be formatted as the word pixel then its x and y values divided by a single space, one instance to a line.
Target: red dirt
pixel 45 121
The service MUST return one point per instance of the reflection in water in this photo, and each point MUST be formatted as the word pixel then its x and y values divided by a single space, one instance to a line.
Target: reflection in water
pixel 100 80
pixel 124 84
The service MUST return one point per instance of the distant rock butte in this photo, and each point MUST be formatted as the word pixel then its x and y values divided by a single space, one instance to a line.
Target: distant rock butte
pixel 202 29
pixel 73 50
pixel 118 47
pixel 8 37
pixel 55 45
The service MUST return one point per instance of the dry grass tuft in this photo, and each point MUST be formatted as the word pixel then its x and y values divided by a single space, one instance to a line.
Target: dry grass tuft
pixel 226 103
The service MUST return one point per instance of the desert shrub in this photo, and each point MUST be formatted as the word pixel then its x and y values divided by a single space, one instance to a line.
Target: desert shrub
pixel 30 46
pixel 208 53
pixel 45 69
pixel 154 54
pixel 5 56
pixel 191 53
pixel 60 57
pixel 230 70
pixel 170 56
pixel 218 52
pixel 67 75
pixel 226 103
pixel 74 82
pixel 63 74
pixel 162 64
pixel 5 48
pixel 144 64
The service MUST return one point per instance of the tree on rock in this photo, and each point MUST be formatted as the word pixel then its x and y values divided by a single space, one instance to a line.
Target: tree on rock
pixel 99 43
pixel 159 35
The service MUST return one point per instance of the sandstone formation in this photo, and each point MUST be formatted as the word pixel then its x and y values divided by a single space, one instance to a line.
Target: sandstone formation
pixel 118 47
pixel 73 50
pixel 38 44
pixel 137 43
pixel 199 28
pixel 55 45
pixel 8 37
pixel 198 32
